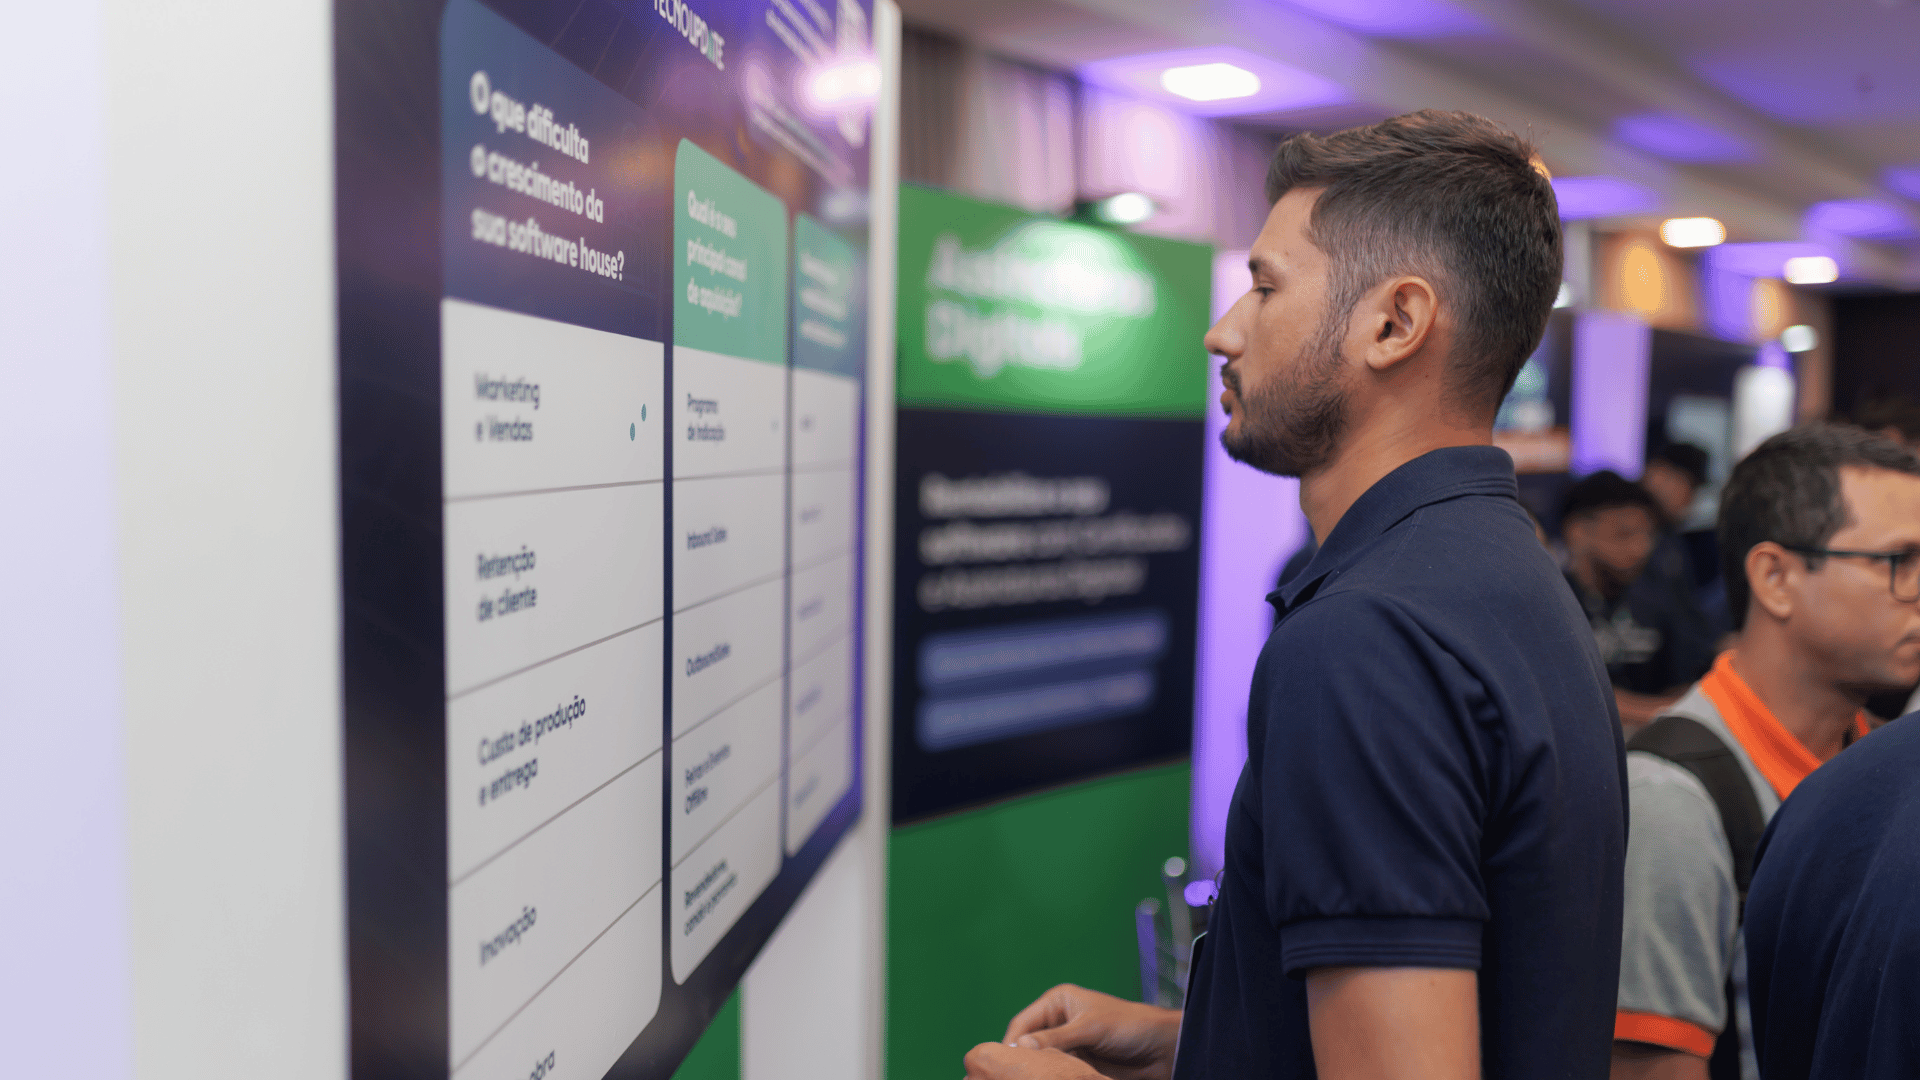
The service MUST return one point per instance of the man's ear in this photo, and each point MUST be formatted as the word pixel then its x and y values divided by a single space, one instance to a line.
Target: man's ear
pixel 1773 575
pixel 1393 321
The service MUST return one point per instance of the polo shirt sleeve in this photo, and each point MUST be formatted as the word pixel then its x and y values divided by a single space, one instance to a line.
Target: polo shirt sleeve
pixel 1681 917
pixel 1371 799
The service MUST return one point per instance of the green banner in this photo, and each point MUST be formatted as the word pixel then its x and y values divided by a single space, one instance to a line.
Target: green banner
pixel 827 310
pixel 729 261
pixel 1004 310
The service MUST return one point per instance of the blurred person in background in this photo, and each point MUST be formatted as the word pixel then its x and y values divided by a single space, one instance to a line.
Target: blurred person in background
pixel 1424 850
pixel 1651 635
pixel 1892 416
pixel 1687 559
pixel 1820 531
pixel 1674 476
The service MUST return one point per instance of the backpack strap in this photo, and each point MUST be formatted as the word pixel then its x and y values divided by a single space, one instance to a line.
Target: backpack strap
pixel 1694 747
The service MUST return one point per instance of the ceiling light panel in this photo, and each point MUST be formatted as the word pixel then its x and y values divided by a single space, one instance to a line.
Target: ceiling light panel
pixel 1207 83
pixel 1693 232
pixel 1210 82
pixel 1811 270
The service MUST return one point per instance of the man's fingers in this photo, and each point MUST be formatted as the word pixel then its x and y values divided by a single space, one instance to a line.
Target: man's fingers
pixel 998 1061
pixel 1072 1035
pixel 1051 1010
pixel 980 1061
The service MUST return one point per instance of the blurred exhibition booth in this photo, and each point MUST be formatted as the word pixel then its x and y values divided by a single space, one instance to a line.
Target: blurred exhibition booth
pixel 922 600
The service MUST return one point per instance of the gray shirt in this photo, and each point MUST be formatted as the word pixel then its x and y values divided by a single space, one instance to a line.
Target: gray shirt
pixel 1681 938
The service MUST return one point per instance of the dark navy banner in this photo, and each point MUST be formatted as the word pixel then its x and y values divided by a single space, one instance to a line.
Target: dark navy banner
pixel 602 269
pixel 1052 386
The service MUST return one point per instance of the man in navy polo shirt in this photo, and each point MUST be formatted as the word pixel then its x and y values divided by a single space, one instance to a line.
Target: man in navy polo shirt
pixel 1833 933
pixel 1424 853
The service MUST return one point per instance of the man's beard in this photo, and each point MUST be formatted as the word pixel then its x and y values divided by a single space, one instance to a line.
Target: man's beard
pixel 1292 428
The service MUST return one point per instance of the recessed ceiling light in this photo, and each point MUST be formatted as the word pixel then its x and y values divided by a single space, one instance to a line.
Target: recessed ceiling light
pixel 1210 82
pixel 1563 298
pixel 1693 232
pixel 1812 270
pixel 1225 81
pixel 1799 338
pixel 1126 208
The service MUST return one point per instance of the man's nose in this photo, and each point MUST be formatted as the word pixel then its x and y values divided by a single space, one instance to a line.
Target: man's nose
pixel 1224 339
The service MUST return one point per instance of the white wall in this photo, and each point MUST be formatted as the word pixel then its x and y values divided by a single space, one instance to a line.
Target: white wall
pixel 64 999
pixel 172 674
pixel 219 123
pixel 814 1004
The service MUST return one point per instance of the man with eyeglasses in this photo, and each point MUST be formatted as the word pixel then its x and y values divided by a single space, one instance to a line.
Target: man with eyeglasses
pixel 1820 545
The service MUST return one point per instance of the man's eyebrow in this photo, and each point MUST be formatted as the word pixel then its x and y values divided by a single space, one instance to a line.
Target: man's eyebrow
pixel 1260 264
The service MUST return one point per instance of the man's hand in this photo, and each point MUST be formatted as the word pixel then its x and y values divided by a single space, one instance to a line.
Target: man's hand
pixel 998 1061
pixel 1123 1040
pixel 1394 1023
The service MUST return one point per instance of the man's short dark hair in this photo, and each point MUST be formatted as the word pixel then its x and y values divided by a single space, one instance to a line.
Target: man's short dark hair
pixel 1604 490
pixel 1686 458
pixel 1451 197
pixel 1788 491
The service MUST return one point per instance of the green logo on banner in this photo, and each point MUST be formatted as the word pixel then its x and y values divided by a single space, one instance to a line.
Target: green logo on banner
pixel 1005 310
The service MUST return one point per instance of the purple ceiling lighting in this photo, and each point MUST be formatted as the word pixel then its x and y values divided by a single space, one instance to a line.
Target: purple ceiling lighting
pixel 1583 197
pixel 1860 219
pixel 1396 18
pixel 1676 138
pixel 1726 281
pixel 1762 260
pixel 1903 180
pixel 1774 355
pixel 1612 355
pixel 1282 88
pixel 1816 63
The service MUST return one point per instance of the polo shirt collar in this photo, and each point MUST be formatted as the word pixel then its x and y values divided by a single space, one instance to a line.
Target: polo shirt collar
pixel 1435 476
pixel 1781 758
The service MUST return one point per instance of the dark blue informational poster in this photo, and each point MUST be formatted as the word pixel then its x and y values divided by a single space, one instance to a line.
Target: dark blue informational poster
pixel 602 353
pixel 1052 389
